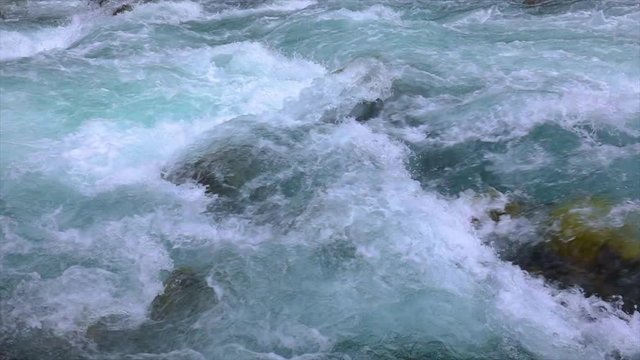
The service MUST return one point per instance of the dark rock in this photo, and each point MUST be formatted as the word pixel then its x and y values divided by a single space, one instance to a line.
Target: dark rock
pixel 366 110
pixel 113 333
pixel 513 209
pixel 185 294
pixel 33 343
pixel 223 171
pixel 122 9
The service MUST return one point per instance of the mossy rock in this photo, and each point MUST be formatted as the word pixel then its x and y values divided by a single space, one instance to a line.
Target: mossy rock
pixel 580 234
pixel 586 249
pixel 512 208
pixel 185 294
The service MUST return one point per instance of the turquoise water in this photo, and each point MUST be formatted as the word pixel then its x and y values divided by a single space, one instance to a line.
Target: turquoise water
pixel 335 238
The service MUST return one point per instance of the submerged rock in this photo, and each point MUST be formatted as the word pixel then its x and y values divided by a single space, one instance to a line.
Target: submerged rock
pixel 122 9
pixel 185 294
pixel 36 344
pixel 512 209
pixel 336 255
pixel 366 110
pixel 112 332
pixel 223 172
pixel 583 249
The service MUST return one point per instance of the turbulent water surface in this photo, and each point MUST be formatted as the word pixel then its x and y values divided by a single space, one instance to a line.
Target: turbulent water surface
pixel 300 179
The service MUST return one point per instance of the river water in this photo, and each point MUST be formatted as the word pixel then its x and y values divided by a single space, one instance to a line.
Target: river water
pixel 350 233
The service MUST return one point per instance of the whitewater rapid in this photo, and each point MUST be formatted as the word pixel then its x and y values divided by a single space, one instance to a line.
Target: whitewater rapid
pixel 363 244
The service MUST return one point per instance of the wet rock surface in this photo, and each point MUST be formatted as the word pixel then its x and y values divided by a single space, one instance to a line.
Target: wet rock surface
pixel 367 110
pixel 119 7
pixel 185 296
pixel 223 171
pixel 122 9
pixel 264 180
pixel 582 246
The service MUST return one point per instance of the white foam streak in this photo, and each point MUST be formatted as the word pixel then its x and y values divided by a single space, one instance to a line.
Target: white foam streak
pixel 429 242
pixel 15 44
pixel 244 78
pixel 373 13
pixel 282 6
pixel 165 12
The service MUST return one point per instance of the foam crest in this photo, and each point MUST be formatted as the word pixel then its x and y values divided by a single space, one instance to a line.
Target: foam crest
pixel 246 78
pixel 333 249
pixel 373 13
pixel 80 295
pixel 479 16
pixel 166 12
pixel 334 96
pixel 429 243
pixel 20 44
pixel 571 106
pixel 286 5
pixel 50 303
pixel 282 6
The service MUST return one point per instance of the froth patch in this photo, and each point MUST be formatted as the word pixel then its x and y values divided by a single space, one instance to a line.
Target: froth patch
pixel 120 275
pixel 241 79
pixel 373 13
pixel 103 155
pixel 16 44
pixel 495 115
pixel 172 12
pixel 282 6
pixel 422 241
pixel 77 296
pixel 287 5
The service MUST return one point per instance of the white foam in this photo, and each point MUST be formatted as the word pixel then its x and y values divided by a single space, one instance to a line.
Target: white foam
pixel 166 12
pixel 15 44
pixel 284 6
pixel 77 296
pixel 479 16
pixel 422 241
pixel 81 294
pixel 243 78
pixel 409 242
pixel 373 13
pixel 588 101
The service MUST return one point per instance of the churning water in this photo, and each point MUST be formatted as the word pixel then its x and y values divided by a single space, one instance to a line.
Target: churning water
pixel 318 173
